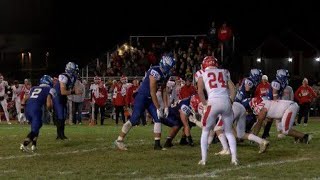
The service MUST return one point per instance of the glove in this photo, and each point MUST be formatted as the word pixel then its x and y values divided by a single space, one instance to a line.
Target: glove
pixel 193 118
pixel 166 112
pixel 159 113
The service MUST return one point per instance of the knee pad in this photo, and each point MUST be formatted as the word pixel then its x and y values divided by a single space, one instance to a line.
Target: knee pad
pixel 157 127
pixel 126 127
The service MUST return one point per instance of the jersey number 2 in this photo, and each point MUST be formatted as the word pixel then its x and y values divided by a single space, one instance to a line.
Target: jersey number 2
pixel 213 83
pixel 35 93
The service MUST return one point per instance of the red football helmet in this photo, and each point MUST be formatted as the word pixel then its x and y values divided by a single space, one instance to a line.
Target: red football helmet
pixel 194 102
pixel 255 101
pixel 209 61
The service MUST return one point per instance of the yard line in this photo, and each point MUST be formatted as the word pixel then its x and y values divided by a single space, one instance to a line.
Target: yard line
pixel 50 154
pixel 215 173
pixel 139 142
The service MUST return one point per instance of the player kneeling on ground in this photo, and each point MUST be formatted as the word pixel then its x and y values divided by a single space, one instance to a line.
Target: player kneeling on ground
pixel 279 109
pixel 39 96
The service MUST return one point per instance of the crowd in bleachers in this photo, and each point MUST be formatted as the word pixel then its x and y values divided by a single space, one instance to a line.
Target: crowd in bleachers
pixel 135 58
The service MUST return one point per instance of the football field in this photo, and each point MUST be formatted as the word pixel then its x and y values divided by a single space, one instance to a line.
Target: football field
pixel 90 154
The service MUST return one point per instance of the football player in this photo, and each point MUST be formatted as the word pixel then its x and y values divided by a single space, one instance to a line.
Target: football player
pixel 178 117
pixel 246 92
pixel 146 98
pixel 239 113
pixel 64 87
pixel 221 93
pixel 279 109
pixel 16 90
pixel 276 92
pixel 39 96
pixel 3 97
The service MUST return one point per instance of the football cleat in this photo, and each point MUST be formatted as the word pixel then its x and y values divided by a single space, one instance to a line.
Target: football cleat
pixel 24 148
pixel 9 122
pixel 306 138
pixel 33 148
pixel 168 144
pixel 202 162
pixel 190 141
pixel 158 147
pixel 235 162
pixel 183 141
pixel 264 146
pixel 120 145
pixel 224 152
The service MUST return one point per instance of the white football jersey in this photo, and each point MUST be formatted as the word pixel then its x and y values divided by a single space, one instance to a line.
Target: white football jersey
pixel 3 86
pixel 275 108
pixel 17 91
pixel 198 74
pixel 216 82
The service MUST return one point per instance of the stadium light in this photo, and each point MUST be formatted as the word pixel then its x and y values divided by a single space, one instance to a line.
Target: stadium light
pixel 317 59
pixel 258 60
pixel 290 59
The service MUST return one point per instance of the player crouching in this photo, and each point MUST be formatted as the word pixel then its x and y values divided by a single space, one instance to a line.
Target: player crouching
pixel 279 109
pixel 178 117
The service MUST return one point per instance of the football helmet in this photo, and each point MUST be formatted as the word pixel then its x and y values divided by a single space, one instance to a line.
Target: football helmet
pixel 71 68
pixel 255 75
pixel 209 61
pixel 283 77
pixel 46 79
pixel 167 63
pixel 194 102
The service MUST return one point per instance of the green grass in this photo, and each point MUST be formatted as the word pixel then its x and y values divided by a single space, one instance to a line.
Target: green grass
pixel 89 154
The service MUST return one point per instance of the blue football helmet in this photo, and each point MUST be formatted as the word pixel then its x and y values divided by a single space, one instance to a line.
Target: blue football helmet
pixel 167 63
pixel 256 75
pixel 71 68
pixel 283 77
pixel 46 79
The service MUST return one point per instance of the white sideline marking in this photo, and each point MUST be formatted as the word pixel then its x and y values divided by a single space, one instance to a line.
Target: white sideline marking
pixel 140 142
pixel 65 172
pixel 215 172
pixel 4 172
pixel 49 154
pixel 20 156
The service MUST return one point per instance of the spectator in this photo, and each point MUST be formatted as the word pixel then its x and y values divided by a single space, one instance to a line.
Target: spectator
pixel 118 100
pixel 212 35
pixel 188 89
pixel 263 87
pixel 100 100
pixel 77 103
pixel 304 95
pixel 225 35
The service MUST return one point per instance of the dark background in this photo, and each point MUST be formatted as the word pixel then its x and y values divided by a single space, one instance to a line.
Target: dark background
pixel 85 29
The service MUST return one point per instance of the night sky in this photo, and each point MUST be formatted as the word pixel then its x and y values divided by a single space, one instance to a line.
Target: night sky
pixel 75 28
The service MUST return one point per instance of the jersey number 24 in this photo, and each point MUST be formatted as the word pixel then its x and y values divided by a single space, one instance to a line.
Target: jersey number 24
pixel 214 81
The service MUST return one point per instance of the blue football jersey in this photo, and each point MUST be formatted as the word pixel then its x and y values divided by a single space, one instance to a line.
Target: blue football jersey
pixel 160 77
pixel 66 79
pixel 242 96
pixel 183 105
pixel 38 96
